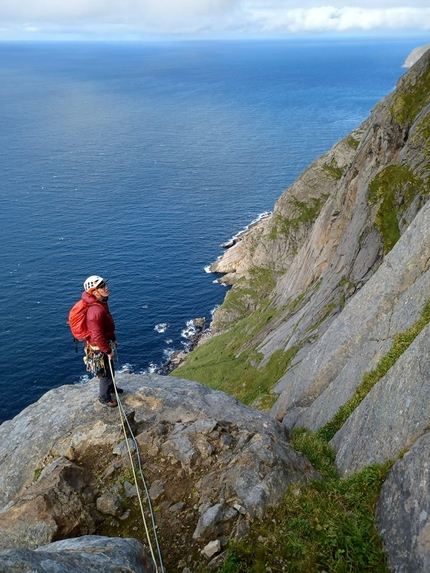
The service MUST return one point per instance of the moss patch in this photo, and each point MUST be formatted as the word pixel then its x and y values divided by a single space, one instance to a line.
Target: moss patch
pixel 306 212
pixel 352 142
pixel 395 187
pixel 248 293
pixel 230 362
pixel 327 525
pixel 332 170
pixel 421 136
pixel 411 99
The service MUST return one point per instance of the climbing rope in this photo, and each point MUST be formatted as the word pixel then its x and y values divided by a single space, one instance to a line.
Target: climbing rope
pixel 154 528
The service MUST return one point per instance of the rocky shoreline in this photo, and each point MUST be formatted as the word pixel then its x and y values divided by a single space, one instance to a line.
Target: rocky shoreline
pixel 197 336
pixel 201 333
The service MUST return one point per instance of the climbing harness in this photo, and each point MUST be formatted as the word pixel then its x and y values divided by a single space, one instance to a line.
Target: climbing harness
pixel 94 360
pixel 154 528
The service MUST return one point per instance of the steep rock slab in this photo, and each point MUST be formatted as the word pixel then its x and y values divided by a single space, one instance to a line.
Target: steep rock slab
pixel 403 511
pixel 90 554
pixel 404 313
pixel 348 336
pixel 392 416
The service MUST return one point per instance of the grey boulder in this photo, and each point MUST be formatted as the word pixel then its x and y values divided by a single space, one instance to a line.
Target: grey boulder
pixel 89 554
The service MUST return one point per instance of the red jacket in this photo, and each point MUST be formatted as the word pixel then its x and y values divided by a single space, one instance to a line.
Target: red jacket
pixel 99 322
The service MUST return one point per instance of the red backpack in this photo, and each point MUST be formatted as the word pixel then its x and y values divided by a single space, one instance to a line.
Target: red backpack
pixel 78 320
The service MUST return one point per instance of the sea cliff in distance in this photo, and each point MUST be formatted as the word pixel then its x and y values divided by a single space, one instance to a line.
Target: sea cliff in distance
pixel 415 55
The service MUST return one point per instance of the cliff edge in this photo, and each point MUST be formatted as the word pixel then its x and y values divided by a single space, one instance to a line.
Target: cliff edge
pixel 211 465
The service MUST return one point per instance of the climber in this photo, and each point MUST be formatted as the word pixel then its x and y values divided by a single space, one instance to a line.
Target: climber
pixel 101 343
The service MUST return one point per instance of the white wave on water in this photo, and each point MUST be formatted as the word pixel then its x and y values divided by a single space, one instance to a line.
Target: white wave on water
pixel 189 330
pixel 263 215
pixel 215 308
pixel 126 368
pixel 207 269
pixel 218 282
pixel 162 327
pixel 84 379
pixel 167 353
pixel 234 238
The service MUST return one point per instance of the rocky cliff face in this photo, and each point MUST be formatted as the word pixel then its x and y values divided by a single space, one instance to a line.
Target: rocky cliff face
pixel 332 227
pixel 334 289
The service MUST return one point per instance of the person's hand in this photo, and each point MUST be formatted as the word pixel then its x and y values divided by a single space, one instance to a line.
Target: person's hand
pixel 111 355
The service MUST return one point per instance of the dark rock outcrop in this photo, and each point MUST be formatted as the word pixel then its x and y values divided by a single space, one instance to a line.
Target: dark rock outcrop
pixel 89 554
pixel 60 504
pixel 403 511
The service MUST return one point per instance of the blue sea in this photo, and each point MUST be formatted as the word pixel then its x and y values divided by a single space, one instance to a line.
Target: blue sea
pixel 135 161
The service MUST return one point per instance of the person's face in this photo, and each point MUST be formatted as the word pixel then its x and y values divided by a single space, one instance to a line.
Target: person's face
pixel 102 291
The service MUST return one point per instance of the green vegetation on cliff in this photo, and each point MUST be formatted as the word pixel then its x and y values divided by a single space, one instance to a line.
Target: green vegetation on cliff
pixel 394 187
pixel 327 525
pixel 352 142
pixel 248 293
pixel 229 362
pixel 411 99
pixel 421 135
pixel 305 213
pixel 333 171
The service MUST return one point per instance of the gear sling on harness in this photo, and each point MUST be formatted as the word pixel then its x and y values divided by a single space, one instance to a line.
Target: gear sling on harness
pixel 94 360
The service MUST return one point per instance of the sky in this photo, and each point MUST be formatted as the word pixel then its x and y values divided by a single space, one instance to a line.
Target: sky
pixel 151 19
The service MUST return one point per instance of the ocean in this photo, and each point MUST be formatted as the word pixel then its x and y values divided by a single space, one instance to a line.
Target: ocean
pixel 135 161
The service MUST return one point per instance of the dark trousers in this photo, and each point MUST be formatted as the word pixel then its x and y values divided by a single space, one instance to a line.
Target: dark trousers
pixel 106 382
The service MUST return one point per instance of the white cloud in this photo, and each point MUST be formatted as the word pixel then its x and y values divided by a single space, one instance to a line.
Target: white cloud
pixel 114 18
pixel 331 19
pixel 305 4
pixel 113 10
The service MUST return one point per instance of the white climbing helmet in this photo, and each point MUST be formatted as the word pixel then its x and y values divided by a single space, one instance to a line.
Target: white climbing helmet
pixel 93 282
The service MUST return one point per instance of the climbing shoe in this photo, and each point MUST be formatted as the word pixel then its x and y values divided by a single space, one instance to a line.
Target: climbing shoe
pixel 110 403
